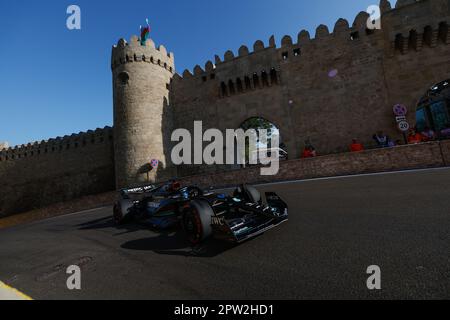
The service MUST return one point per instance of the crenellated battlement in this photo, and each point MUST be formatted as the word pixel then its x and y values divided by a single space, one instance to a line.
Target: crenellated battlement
pixel 406 31
pixel 129 52
pixel 401 30
pixel 341 31
pixel 229 56
pixel 58 144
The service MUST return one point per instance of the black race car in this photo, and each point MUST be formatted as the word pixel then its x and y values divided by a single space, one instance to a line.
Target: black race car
pixel 202 214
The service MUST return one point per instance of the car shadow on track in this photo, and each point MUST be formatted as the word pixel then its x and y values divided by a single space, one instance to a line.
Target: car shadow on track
pixel 168 242
pixel 107 222
pixel 175 243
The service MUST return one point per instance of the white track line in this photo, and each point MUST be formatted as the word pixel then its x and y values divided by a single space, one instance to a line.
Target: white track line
pixel 345 177
pixel 355 176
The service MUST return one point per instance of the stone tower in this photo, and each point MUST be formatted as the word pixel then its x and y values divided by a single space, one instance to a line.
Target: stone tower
pixel 141 82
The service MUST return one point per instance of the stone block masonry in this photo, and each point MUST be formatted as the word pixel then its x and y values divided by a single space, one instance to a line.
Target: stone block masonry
pixel 422 156
pixel 291 86
pixel 328 88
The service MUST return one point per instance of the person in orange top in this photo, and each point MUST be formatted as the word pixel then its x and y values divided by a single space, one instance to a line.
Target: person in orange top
pixel 414 137
pixel 356 146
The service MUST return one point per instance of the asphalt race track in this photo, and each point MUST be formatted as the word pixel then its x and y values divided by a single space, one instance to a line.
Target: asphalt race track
pixel 337 228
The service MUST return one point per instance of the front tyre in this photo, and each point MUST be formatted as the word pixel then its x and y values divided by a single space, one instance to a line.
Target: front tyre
pixel 121 213
pixel 197 221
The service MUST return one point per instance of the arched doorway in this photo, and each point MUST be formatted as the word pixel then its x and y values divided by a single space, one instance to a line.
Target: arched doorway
pixel 433 110
pixel 259 123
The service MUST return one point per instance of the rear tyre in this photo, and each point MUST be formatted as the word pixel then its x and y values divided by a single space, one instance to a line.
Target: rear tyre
pixel 197 221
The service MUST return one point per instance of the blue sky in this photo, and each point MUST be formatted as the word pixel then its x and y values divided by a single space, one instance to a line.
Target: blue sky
pixel 55 82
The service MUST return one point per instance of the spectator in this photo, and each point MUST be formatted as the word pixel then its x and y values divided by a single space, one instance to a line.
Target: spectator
pixel 308 144
pixel 428 134
pixel 309 152
pixel 381 139
pixel 392 143
pixel 356 146
pixel 414 137
pixel 445 133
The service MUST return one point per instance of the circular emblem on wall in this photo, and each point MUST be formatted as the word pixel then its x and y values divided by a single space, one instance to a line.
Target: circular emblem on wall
pixel 154 163
pixel 400 110
pixel 333 73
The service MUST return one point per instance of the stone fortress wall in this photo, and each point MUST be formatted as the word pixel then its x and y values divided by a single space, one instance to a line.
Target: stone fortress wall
pixel 287 85
pixel 290 86
pixel 56 170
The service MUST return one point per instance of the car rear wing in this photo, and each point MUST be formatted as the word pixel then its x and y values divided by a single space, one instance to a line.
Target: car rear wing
pixel 126 193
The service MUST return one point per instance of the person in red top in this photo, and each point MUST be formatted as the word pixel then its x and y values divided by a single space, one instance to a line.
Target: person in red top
pixel 414 137
pixel 309 152
pixel 356 146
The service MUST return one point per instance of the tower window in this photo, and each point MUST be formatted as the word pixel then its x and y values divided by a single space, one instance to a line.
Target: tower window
pixel 123 78
pixel 231 87
pixel 264 79
pixel 296 52
pixel 354 35
pixel 273 76
pixel 399 42
pixel 223 89
pixel 255 80
pixel 239 86
pixel 247 82
pixel 285 55
pixel 443 32
pixel 370 32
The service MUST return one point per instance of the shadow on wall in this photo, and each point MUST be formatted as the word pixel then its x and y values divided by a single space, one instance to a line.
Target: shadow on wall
pixel 166 170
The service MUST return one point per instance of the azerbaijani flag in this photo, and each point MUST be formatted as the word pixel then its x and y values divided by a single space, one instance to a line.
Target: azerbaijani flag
pixel 145 32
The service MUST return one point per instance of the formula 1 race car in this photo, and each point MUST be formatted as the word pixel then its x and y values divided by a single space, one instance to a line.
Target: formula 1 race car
pixel 202 214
